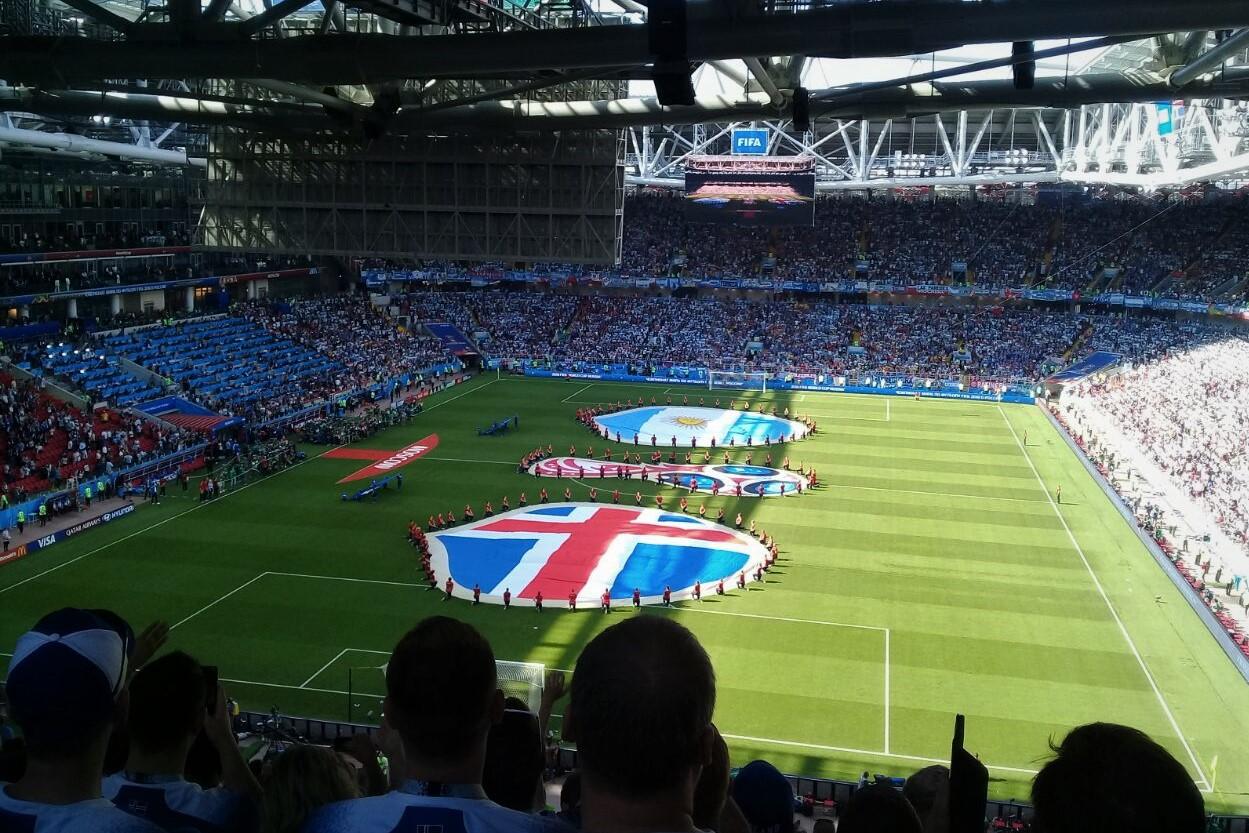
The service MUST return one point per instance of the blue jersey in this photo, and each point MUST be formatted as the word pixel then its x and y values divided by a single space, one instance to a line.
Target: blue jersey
pixel 96 815
pixel 174 804
pixel 407 810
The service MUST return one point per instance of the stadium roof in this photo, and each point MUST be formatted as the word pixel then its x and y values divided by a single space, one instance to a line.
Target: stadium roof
pixel 108 69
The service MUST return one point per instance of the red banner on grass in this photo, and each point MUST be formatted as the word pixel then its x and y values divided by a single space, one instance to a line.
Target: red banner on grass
pixel 387 461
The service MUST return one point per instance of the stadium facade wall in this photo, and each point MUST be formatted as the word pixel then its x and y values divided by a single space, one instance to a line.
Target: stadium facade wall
pixel 1239 660
pixel 549 197
pixel 1013 397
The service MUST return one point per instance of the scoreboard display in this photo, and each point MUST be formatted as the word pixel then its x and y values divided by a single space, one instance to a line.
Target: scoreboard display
pixel 759 191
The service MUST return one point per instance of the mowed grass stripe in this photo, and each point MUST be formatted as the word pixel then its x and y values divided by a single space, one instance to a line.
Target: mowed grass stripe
pixel 870 556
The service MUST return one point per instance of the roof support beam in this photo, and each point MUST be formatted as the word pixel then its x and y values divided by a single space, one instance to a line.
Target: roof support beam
pixel 100 14
pixel 272 15
pixel 70 143
pixel 1212 59
pixel 760 72
pixel 841 30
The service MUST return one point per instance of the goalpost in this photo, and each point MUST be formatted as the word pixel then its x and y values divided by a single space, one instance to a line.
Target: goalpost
pixel 366 686
pixel 523 680
pixel 752 380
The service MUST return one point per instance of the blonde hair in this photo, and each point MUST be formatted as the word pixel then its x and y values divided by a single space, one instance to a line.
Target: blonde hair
pixel 303 779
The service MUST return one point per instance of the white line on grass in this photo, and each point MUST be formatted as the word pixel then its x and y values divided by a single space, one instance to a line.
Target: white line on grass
pixel 578 393
pixel 466 460
pixel 317 673
pixel 103 547
pixel 345 578
pixel 928 493
pixel 208 503
pixel 886 691
pixel 1109 606
pixel 217 600
pixel 695 608
pixel 869 752
pixel 442 402
pixel 749 738
pixel 887 401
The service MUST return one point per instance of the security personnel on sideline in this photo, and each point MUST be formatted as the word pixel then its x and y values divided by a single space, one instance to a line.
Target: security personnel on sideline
pixel 43 513
pixel 21 521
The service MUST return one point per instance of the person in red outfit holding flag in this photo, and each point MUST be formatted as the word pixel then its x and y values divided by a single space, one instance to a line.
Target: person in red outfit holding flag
pixel 572 599
pixel 476 594
pixel 605 601
pixel 698 591
pixel 537 601
pixel 447 588
pixel 667 596
pixel 507 598
pixel 637 598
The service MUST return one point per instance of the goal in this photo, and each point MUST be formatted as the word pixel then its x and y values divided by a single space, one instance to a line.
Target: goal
pixel 366 685
pixel 737 380
pixel 522 680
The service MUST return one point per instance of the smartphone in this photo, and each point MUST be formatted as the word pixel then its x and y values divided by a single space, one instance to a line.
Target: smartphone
pixel 969 786
pixel 210 688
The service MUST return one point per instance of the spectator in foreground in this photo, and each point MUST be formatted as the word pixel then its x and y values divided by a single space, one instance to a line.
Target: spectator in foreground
pixel 168 710
pixel 643 694
pixel 765 798
pixel 879 808
pixel 1114 779
pixel 67 689
pixel 442 697
pixel 928 792
pixel 304 779
pixel 515 759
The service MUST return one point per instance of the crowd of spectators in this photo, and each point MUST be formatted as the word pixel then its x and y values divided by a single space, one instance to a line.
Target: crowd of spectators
pixel 646 332
pixel 113 738
pixel 47 444
pixel 1189 250
pixel 1186 410
pixel 353 332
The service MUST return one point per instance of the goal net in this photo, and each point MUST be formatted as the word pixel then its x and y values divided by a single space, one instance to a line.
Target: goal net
pixel 737 380
pixel 522 680
pixel 366 686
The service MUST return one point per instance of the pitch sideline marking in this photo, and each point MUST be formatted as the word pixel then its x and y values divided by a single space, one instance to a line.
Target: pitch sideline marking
pixel 1109 606
pixel 577 393
pixel 159 523
pixel 207 503
pixel 887 401
pixel 317 673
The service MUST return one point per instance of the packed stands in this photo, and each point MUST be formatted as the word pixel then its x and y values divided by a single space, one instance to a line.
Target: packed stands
pixel 1127 245
pixel 1187 411
pixel 46 443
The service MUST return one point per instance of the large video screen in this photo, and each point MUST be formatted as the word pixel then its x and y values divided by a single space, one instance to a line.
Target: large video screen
pixel 766 198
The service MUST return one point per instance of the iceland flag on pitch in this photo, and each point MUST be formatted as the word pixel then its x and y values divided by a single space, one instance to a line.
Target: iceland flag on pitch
pixel 585 548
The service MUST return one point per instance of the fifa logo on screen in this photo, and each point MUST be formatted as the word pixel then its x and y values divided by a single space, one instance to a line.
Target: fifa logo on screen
pixel 750 142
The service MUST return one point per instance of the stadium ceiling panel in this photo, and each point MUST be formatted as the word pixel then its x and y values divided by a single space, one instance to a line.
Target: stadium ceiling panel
pixel 931 80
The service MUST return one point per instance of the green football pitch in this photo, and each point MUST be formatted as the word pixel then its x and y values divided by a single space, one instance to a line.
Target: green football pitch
pixel 930 574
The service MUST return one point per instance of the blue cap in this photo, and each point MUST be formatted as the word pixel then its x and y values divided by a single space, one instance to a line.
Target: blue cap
pixel 765 798
pixel 68 671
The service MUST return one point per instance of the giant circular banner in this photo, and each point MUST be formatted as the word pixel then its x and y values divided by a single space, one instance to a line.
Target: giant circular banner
pixel 698 426
pixel 587 548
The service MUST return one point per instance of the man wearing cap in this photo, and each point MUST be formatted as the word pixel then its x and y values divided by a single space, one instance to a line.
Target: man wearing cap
pixel 67 689
pixel 168 708
pixel 442 697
